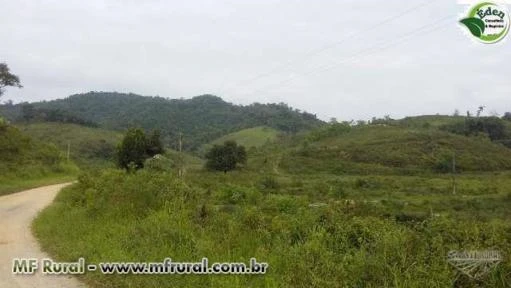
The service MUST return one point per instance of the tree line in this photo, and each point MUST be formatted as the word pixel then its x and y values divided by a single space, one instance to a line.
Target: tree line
pixel 202 118
pixel 136 147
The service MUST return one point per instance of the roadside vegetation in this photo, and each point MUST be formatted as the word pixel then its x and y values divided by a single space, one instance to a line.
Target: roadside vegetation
pixel 89 147
pixel 27 163
pixel 340 206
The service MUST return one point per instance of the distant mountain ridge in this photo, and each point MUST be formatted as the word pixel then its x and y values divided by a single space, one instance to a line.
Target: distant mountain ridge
pixel 200 119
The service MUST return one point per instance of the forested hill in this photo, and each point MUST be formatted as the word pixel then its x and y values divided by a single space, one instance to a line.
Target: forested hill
pixel 200 119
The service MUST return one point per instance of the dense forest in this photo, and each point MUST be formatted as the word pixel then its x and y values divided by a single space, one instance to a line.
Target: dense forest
pixel 201 119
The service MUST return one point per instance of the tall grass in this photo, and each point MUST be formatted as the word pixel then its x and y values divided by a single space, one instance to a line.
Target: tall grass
pixel 147 216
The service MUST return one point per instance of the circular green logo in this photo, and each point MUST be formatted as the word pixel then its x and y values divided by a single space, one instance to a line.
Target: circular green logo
pixel 487 22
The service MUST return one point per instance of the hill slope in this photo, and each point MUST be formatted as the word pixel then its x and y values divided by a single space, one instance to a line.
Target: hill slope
pixel 27 162
pixel 201 119
pixel 251 137
pixel 88 146
pixel 341 149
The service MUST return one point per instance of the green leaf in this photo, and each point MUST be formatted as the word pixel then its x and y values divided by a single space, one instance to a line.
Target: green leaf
pixel 475 25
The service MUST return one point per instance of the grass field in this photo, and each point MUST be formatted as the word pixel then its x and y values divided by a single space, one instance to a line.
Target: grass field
pixel 322 231
pixel 88 146
pixel 312 206
pixel 26 162
pixel 251 137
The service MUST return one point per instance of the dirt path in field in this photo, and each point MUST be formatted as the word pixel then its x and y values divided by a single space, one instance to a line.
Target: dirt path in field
pixel 16 240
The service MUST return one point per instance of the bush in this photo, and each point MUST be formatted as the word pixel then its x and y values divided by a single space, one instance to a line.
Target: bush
pixel 132 149
pixel 136 147
pixel 158 163
pixel 226 157
pixel 494 127
pixel 269 183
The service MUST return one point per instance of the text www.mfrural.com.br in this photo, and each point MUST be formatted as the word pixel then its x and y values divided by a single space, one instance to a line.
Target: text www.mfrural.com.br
pixel 167 266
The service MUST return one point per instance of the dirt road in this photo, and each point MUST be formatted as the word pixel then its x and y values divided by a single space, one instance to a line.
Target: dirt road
pixel 16 240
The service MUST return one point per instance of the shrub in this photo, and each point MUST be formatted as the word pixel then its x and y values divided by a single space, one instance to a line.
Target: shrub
pixel 136 147
pixel 132 149
pixel 269 183
pixel 226 157
pixel 158 163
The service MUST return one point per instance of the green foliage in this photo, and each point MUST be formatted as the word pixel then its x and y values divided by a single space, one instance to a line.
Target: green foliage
pixel 25 162
pixel 269 182
pixel 7 78
pixel 367 240
pixel 27 112
pixel 392 149
pixel 89 147
pixel 31 114
pixel 132 149
pixel 135 147
pixel 349 206
pixel 154 145
pixel 158 163
pixel 202 119
pixel 17 149
pixel 332 130
pixel 251 137
pixel 494 127
pixel 226 157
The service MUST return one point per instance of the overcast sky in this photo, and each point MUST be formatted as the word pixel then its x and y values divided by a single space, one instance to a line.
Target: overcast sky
pixel 342 59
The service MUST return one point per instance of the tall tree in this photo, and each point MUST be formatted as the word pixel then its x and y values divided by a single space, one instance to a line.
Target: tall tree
pixel 7 78
pixel 132 149
pixel 154 144
pixel 27 111
pixel 226 157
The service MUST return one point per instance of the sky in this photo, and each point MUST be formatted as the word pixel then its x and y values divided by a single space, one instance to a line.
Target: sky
pixel 351 59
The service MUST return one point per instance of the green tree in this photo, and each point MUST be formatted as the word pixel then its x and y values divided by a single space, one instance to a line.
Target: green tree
pixel 132 149
pixel 226 157
pixel 28 111
pixel 204 118
pixel 154 145
pixel 492 126
pixel 7 78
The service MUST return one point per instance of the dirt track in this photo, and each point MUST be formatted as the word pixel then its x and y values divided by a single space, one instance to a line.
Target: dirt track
pixel 16 240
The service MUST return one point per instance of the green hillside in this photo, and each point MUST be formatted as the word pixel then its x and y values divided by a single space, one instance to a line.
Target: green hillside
pixel 26 162
pixel 251 137
pixel 201 119
pixel 341 149
pixel 334 207
pixel 88 146
pixel 425 121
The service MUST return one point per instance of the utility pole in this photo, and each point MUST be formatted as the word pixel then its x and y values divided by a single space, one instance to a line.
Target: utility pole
pixel 180 142
pixel 68 150
pixel 454 173
pixel 180 157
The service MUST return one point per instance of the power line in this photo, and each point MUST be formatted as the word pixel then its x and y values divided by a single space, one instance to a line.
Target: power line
pixel 360 53
pixel 311 53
